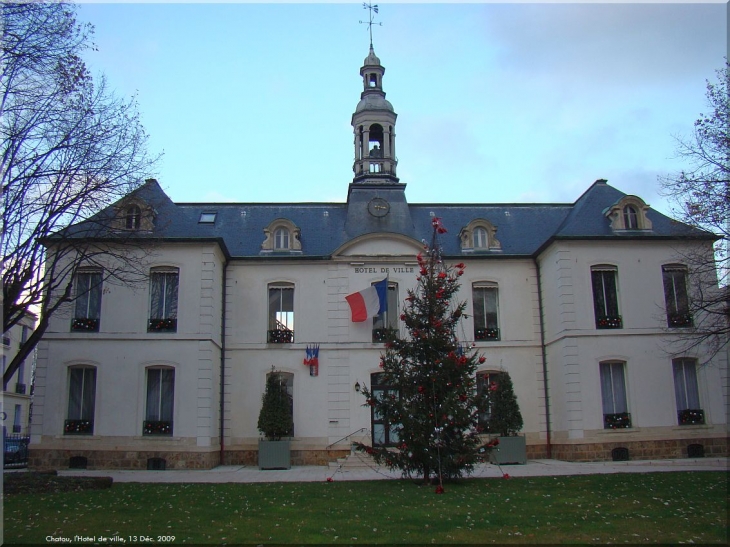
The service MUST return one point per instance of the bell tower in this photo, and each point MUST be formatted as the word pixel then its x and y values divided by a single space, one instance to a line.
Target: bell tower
pixel 373 125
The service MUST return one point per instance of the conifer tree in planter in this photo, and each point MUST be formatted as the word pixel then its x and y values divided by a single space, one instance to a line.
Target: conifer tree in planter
pixel 432 407
pixel 275 422
pixel 506 420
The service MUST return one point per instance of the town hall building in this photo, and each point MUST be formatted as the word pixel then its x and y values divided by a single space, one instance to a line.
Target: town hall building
pixel 577 302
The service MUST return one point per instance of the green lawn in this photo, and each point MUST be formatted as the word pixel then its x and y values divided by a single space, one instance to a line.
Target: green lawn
pixel 686 507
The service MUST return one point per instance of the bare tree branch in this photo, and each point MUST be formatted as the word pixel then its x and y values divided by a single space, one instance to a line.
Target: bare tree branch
pixel 70 148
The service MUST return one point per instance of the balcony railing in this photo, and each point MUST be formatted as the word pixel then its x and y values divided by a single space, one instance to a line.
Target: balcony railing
pixel 486 334
pixel 621 420
pixel 691 416
pixel 609 322
pixel 20 389
pixel 280 336
pixel 85 324
pixel 157 427
pixel 678 320
pixel 162 325
pixel 384 334
pixel 78 427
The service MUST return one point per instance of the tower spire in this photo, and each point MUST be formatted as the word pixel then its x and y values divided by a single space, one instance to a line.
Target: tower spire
pixel 372 8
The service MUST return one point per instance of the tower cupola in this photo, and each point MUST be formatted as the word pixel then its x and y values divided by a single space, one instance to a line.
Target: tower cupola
pixel 373 124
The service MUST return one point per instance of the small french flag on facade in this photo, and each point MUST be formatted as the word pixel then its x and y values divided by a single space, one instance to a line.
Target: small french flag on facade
pixel 369 302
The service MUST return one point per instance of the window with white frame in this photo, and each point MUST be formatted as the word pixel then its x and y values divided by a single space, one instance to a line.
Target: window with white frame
pixel 160 401
pixel 164 284
pixel 81 401
pixel 87 303
pixel 676 300
pixel 605 297
pixel 385 324
pixel 686 392
pixel 281 313
pixel 133 217
pixel 631 217
pixel 281 239
pixel 485 303
pixel 481 240
pixel 613 395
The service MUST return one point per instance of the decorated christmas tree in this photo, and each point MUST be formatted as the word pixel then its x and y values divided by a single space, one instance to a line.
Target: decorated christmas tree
pixel 431 407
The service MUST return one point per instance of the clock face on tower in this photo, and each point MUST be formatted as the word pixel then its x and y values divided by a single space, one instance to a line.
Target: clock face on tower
pixel 378 207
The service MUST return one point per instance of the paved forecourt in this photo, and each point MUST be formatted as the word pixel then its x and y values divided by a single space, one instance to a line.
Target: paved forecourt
pixel 314 473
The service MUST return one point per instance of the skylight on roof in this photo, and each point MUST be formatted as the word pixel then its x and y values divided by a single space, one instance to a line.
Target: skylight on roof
pixel 207 218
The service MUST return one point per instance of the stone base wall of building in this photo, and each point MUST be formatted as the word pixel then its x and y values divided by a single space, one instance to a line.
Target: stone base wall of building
pixel 640 450
pixel 298 457
pixel 45 459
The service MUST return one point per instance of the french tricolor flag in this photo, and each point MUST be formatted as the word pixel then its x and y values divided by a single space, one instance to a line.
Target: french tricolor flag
pixel 369 302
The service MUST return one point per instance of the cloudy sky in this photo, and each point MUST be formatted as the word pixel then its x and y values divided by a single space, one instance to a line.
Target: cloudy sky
pixel 496 102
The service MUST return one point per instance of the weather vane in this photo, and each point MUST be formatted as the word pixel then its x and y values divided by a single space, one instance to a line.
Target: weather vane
pixel 372 8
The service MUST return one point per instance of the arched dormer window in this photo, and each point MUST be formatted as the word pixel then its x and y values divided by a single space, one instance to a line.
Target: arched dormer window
pixel 281 239
pixel 631 218
pixel 479 236
pixel 133 217
pixel 282 235
pixel 629 213
pixel 480 239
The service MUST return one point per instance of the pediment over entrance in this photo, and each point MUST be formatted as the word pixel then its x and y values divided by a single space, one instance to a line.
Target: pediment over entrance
pixel 381 244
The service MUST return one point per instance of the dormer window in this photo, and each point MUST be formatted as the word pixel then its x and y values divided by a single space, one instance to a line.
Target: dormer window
pixel 282 236
pixel 479 236
pixel 628 213
pixel 631 218
pixel 281 239
pixel 133 217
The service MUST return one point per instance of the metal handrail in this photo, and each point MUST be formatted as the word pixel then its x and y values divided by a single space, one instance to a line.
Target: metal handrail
pixel 347 437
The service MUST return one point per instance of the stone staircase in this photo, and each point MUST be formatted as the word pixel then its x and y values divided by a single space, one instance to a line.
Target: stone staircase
pixel 354 460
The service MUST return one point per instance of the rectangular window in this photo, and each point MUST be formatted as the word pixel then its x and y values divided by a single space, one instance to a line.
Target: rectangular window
pixel 485 382
pixel 17 419
pixel 281 314
pixel 163 300
pixel 385 325
pixel 675 296
pixel 81 401
pixel 613 394
pixel 160 400
pixel 687 393
pixel 385 433
pixel 486 313
pixel 605 297
pixel 87 305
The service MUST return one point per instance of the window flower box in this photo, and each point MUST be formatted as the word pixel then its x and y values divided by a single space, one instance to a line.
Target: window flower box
pixel 679 320
pixel 609 322
pixel 162 325
pixel 78 427
pixel 622 420
pixel 282 336
pixel 156 427
pixel 85 324
pixel 691 416
pixel 384 335
pixel 486 334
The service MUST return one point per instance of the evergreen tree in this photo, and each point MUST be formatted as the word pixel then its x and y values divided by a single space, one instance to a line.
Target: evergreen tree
pixel 505 417
pixel 432 408
pixel 275 418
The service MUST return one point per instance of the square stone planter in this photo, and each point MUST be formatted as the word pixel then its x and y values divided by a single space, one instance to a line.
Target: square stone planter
pixel 510 450
pixel 274 454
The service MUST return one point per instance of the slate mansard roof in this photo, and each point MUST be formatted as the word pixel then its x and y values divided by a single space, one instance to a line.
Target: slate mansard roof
pixel 523 230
